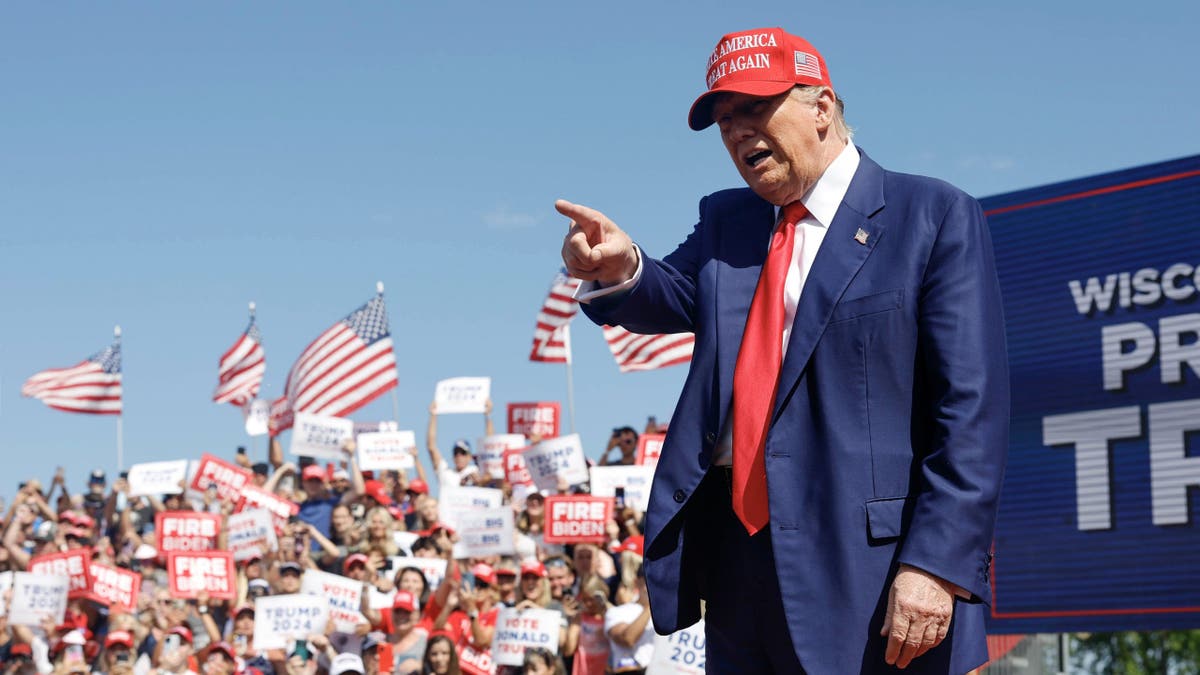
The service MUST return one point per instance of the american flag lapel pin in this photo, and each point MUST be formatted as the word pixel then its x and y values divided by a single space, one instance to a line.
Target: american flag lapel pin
pixel 861 236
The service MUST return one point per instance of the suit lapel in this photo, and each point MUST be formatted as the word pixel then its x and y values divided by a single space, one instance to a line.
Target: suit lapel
pixel 743 245
pixel 838 261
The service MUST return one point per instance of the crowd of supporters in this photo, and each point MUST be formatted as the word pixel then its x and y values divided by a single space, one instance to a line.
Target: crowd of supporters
pixel 347 524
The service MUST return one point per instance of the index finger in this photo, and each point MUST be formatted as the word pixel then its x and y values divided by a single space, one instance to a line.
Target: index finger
pixel 896 637
pixel 588 219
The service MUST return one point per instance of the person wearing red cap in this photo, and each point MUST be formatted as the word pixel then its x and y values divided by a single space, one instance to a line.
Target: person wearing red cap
pixel 118 651
pixel 408 637
pixel 174 652
pixel 317 507
pixel 219 659
pixel 834 461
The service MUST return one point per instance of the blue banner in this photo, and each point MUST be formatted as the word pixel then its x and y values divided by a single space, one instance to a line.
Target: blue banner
pixel 1097 525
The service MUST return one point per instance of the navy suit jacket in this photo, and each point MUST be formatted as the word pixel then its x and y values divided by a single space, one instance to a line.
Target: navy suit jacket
pixel 890 426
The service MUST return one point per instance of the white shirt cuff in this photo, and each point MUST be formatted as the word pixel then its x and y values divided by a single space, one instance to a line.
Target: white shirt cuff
pixel 590 290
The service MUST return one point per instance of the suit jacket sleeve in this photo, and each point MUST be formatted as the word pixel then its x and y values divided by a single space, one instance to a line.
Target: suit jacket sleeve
pixel 664 299
pixel 960 468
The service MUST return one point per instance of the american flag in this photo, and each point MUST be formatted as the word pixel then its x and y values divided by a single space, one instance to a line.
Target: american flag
pixel 240 372
pixel 93 386
pixel 345 368
pixel 551 337
pixel 647 352
pixel 807 64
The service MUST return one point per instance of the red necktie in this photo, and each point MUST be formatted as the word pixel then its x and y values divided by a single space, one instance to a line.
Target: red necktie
pixel 756 376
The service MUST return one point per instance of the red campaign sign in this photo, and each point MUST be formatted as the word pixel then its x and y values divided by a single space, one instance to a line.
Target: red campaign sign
pixel 649 448
pixel 212 571
pixel 540 417
pixel 254 497
pixel 515 471
pixel 475 662
pixel 229 479
pixel 186 532
pixel 115 586
pixel 575 519
pixel 74 564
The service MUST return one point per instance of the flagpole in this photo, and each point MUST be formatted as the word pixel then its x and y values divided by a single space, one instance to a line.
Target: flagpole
pixel 120 415
pixel 395 396
pixel 566 330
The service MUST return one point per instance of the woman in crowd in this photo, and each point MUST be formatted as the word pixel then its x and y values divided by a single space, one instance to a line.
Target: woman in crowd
pixel 440 657
pixel 541 661
pixel 408 638
pixel 628 627
pixel 587 644
pixel 380 525
pixel 534 590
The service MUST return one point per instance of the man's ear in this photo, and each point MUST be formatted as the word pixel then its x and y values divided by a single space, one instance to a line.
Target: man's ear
pixel 825 109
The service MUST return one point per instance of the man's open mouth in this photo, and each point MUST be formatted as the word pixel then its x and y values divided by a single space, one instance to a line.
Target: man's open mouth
pixel 754 158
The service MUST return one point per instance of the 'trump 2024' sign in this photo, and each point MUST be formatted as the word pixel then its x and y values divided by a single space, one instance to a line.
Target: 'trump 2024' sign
pixel 1101 284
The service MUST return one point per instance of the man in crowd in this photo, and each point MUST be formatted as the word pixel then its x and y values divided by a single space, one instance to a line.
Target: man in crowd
pixel 624 440
pixel 830 477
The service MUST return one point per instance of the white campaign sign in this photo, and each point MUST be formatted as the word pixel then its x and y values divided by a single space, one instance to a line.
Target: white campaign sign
pixel 36 596
pixel 517 631
pixel 258 417
pixel 378 600
pixel 556 458
pixel 279 619
pixel 343 594
pixel 320 436
pixel 251 531
pixel 434 569
pixel 463 395
pixel 157 478
pixel 405 540
pixel 456 500
pixel 484 532
pixel 491 452
pixel 635 479
pixel 680 653
pixel 382 450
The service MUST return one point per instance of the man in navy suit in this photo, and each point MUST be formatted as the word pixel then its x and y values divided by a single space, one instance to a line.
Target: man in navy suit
pixel 829 481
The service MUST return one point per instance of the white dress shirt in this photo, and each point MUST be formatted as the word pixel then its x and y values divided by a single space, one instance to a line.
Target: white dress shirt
pixel 822 202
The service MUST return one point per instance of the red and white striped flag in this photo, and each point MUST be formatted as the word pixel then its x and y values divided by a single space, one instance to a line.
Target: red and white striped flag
pixel 93 386
pixel 551 336
pixel 345 368
pixel 646 352
pixel 241 369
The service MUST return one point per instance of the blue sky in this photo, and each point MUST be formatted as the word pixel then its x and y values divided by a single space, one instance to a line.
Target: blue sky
pixel 162 164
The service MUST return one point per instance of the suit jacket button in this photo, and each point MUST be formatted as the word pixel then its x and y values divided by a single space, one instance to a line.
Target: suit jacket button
pixel 710 437
pixel 680 496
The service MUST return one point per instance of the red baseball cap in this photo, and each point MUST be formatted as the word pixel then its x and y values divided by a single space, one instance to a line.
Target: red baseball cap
pixel 484 573
pixel 533 567
pixel 759 62
pixel 313 471
pixel 418 486
pixel 183 632
pixel 375 490
pixel 353 558
pixel 223 647
pixel 633 544
pixel 118 637
pixel 404 601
